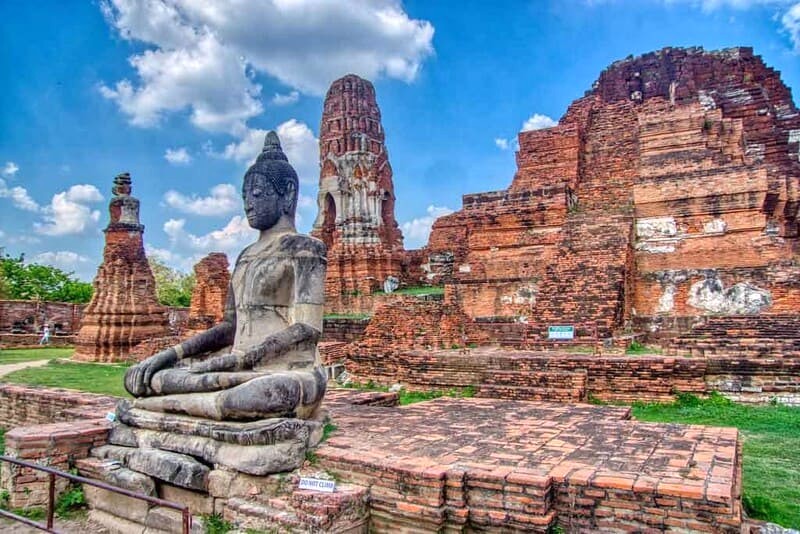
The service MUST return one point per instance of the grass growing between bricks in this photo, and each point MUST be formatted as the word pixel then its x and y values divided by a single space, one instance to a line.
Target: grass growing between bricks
pixel 106 379
pixel 771 457
pixel 410 397
pixel 636 348
pixel 416 290
pixel 8 356
pixel 346 316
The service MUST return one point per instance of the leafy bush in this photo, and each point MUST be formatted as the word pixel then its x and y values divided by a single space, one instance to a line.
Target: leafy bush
pixel 70 501
pixel 30 281
pixel 215 524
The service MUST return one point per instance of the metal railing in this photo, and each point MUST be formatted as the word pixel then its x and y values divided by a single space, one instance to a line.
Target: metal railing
pixel 51 491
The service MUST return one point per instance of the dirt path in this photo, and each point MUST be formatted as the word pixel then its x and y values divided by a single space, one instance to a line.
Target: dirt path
pixel 11 367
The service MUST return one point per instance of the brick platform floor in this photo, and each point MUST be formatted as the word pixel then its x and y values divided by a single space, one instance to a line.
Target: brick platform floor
pixel 486 463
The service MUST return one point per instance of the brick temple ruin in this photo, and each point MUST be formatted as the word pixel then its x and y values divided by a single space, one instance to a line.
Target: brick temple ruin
pixel 209 293
pixel 670 189
pixel 356 195
pixel 662 207
pixel 124 310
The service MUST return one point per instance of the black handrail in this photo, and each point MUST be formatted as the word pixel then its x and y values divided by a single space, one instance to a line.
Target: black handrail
pixel 53 473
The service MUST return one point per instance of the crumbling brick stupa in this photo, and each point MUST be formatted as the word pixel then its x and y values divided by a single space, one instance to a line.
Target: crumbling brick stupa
pixel 210 292
pixel 669 189
pixel 356 196
pixel 124 310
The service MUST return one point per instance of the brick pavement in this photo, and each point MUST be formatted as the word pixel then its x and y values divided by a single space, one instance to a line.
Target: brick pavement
pixel 516 465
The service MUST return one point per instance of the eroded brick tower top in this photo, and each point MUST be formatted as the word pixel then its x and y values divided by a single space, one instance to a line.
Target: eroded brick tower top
pixel 356 194
pixel 124 309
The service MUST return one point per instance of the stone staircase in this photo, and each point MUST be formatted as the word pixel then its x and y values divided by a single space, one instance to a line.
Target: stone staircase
pixel 751 336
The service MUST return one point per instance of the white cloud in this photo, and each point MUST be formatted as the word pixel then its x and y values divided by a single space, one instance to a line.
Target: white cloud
pixel 224 199
pixel 62 259
pixel 305 201
pixel 23 239
pixel 791 23
pixel 537 122
pixel 177 156
pixel 231 239
pixel 84 193
pixel 204 76
pixel 10 169
pixel 184 263
pixel 712 5
pixel 204 54
pixel 285 100
pixel 19 196
pixel 68 213
pixel 298 141
pixel 501 143
pixel 416 231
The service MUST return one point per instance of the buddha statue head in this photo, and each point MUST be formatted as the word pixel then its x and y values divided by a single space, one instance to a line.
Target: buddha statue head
pixel 270 187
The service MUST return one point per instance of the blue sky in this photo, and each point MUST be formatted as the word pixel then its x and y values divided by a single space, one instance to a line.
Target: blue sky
pixel 179 94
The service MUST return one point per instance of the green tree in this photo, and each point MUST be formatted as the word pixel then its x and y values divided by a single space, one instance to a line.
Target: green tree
pixel 30 281
pixel 173 287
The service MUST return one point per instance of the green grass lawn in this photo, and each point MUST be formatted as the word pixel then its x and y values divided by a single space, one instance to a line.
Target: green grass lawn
pixel 771 460
pixel 92 377
pixel 26 355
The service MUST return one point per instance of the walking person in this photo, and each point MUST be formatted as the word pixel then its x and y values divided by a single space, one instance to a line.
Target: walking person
pixel 45 336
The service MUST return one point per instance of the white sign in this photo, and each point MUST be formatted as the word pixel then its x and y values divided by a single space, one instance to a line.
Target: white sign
pixel 317 484
pixel 561 332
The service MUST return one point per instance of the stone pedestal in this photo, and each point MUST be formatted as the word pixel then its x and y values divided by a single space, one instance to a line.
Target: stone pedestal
pixel 179 449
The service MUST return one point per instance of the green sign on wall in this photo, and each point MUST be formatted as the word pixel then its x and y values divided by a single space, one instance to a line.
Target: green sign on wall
pixel 560 332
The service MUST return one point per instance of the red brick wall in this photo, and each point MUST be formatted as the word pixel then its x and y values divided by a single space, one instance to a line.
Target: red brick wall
pixel 343 329
pixel 610 378
pixel 10 341
pixel 55 445
pixel 33 314
pixel 27 405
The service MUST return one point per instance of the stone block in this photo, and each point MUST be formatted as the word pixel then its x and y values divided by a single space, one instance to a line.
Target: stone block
pixel 129 508
pixel 199 503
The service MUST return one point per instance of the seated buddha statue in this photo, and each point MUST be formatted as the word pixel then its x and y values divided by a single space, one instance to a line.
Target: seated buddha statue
pixel 262 360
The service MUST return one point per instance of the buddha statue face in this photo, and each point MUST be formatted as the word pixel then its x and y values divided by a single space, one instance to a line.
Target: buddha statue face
pixel 263 204
pixel 270 187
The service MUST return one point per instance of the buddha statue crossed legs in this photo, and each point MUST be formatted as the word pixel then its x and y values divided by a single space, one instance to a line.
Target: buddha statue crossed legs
pixel 244 394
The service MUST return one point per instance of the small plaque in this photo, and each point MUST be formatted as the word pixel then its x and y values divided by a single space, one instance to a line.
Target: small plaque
pixel 317 484
pixel 561 332
pixel 111 417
